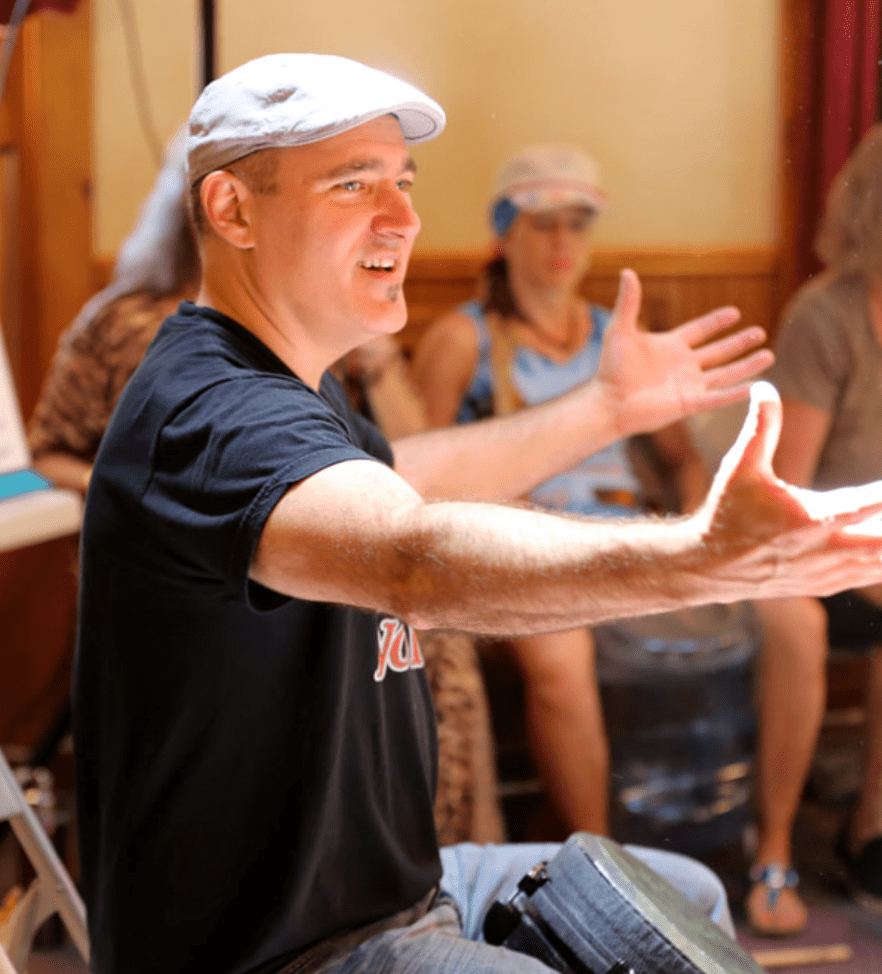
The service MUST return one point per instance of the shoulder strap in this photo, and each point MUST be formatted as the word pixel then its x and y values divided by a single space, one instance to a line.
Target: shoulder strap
pixel 503 350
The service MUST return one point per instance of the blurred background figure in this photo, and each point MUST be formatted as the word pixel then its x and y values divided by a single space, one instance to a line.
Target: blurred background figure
pixel 530 337
pixel 829 374
pixel 157 267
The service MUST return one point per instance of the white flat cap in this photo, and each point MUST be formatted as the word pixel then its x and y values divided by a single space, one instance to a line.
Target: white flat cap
pixel 295 99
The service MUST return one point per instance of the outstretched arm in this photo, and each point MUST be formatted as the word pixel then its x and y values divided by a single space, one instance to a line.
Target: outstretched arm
pixel 355 533
pixel 644 381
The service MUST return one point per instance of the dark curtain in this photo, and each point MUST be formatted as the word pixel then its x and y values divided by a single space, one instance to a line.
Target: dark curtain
pixel 66 5
pixel 834 48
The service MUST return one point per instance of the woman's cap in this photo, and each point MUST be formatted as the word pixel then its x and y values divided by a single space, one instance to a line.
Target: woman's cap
pixel 295 99
pixel 545 177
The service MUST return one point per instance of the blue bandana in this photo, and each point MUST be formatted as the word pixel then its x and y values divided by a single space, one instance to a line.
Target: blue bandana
pixel 503 216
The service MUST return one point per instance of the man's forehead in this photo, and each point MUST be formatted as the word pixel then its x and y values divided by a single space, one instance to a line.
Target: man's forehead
pixel 377 145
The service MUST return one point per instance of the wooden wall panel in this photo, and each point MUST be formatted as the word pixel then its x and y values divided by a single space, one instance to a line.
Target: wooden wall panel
pixel 677 285
pixel 56 185
pixel 45 276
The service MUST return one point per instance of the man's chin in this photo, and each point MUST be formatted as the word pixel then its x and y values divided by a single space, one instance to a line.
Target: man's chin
pixel 390 315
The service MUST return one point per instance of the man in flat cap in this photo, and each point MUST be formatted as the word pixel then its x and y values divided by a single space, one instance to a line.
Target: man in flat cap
pixel 255 740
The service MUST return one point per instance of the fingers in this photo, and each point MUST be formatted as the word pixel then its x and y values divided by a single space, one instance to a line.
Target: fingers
pixel 731 347
pixel 627 305
pixel 854 503
pixel 730 383
pixel 765 405
pixel 700 330
pixel 739 371
pixel 756 442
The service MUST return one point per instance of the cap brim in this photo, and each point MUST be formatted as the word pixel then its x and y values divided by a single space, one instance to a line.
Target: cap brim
pixel 531 201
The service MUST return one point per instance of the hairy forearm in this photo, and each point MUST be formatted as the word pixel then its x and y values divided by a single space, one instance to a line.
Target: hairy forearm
pixel 505 457
pixel 514 571
pixel 480 567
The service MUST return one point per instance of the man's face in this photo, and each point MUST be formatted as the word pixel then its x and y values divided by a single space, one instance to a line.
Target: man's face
pixel 332 245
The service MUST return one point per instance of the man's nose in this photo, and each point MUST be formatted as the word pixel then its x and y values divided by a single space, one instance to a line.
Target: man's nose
pixel 395 214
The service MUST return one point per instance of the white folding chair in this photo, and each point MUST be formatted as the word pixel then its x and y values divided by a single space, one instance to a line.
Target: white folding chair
pixel 52 890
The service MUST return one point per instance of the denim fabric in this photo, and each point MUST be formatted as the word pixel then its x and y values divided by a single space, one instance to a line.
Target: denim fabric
pixel 476 875
pixel 446 940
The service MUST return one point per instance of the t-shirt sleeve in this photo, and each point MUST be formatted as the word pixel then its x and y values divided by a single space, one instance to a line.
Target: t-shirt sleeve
pixel 811 355
pixel 224 461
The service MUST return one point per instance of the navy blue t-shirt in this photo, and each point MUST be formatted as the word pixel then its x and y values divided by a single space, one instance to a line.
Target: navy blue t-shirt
pixel 254 772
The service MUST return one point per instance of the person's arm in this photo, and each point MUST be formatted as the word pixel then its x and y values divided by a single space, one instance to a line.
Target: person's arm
pixel 444 362
pixel 383 375
pixel 644 381
pixel 356 534
pixel 64 470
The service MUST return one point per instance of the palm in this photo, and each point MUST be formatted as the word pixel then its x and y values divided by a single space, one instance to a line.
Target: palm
pixel 658 378
pixel 783 539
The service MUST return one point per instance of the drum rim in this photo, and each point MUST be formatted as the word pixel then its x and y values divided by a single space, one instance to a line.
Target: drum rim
pixel 603 853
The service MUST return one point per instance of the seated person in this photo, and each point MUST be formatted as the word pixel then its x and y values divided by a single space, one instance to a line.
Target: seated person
pixel 828 369
pixel 530 338
pixel 254 737
pixel 157 267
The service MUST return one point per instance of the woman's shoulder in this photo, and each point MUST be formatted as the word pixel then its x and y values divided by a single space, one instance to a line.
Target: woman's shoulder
pixel 459 331
pixel 827 302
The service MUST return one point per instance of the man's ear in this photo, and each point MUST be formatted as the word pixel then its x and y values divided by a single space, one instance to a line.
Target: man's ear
pixel 226 202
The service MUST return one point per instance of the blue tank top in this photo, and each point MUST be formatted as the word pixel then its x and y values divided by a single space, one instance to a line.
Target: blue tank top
pixel 538 379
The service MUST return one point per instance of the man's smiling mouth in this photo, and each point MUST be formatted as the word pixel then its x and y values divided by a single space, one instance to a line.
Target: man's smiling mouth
pixel 379 264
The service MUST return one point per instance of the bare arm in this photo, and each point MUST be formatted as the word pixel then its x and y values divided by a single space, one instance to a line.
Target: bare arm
pixel 64 470
pixel 644 381
pixel 388 386
pixel 443 365
pixel 356 534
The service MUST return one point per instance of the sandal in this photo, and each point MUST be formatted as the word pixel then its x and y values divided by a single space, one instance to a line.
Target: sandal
pixel 773 906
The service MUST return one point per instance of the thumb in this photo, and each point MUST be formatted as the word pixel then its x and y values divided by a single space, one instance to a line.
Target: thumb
pixel 758 439
pixel 627 305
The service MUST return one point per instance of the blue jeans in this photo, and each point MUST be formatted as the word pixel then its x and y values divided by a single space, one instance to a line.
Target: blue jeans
pixel 447 939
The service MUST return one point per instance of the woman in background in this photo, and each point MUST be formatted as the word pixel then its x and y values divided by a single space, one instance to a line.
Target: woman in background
pixel 157 267
pixel 530 338
pixel 829 373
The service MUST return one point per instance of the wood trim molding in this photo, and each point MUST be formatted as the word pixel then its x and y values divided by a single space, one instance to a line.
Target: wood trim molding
pixel 703 262
pixel 678 284
pixel 53 118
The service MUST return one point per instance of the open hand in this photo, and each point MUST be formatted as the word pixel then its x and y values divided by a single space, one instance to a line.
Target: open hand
pixel 772 539
pixel 653 379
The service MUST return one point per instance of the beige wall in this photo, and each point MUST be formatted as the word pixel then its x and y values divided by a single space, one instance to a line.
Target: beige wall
pixel 676 99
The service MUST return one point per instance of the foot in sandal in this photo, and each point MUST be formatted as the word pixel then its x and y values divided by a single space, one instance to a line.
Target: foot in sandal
pixel 773 906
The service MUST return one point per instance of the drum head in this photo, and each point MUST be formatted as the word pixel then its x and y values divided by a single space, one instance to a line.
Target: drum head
pixel 664 908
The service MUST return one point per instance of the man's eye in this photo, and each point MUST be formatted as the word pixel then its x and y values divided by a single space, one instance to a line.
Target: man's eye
pixel 405 184
pixel 351 185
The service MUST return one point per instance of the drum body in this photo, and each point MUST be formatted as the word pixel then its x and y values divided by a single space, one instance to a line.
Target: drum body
pixel 595 909
pixel 678 701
